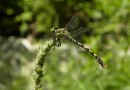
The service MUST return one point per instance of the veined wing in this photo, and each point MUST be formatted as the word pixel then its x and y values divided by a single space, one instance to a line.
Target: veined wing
pixel 78 32
pixel 72 24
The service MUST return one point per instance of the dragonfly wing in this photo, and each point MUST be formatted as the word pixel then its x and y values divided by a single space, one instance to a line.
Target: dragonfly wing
pixel 79 31
pixel 72 24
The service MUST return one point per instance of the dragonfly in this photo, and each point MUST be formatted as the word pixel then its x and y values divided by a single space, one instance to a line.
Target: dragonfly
pixel 72 29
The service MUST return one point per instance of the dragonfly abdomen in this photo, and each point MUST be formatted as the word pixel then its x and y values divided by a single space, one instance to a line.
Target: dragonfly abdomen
pixel 90 51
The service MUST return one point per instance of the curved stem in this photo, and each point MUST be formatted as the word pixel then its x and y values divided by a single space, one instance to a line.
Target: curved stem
pixel 39 62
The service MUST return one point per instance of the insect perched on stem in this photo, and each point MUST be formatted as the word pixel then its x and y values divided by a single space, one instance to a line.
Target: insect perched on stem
pixel 72 29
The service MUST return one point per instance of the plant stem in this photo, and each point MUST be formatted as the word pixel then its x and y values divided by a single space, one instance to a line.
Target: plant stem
pixel 39 62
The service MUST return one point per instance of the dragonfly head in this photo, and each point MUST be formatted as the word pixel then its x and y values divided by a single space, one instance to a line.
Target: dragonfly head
pixel 53 30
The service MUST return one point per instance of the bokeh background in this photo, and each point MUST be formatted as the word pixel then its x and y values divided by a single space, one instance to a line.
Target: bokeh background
pixel 25 23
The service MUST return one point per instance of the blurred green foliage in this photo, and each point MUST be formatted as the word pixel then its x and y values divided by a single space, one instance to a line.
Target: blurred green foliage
pixel 70 68
pixel 14 55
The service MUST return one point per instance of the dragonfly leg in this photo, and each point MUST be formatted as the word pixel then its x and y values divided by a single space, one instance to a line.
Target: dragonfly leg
pixel 58 42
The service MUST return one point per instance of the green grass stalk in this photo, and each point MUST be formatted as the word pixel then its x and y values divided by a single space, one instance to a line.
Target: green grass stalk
pixel 39 62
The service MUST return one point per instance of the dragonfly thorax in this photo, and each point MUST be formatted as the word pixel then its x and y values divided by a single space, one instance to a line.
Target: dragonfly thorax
pixel 60 32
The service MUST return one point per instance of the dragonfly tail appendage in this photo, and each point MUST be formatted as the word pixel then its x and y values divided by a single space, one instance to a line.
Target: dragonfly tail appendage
pixel 91 52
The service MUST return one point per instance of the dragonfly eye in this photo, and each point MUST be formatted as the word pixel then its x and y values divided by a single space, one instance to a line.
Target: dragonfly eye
pixel 53 29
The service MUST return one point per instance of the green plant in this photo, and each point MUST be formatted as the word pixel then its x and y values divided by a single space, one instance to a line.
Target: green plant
pixel 40 60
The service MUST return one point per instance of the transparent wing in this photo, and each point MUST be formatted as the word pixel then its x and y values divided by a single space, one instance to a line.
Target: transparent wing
pixel 79 31
pixel 72 24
